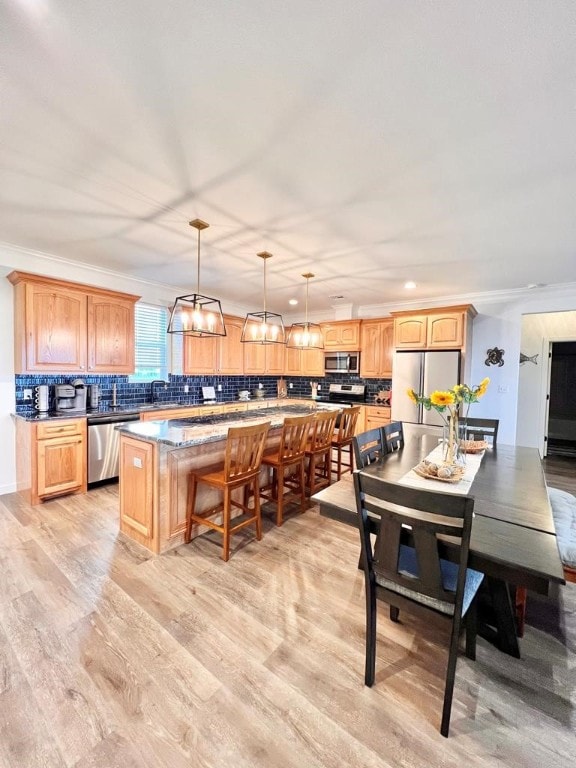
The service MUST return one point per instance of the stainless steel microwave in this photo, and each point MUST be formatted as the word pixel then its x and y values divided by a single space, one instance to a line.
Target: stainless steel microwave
pixel 341 362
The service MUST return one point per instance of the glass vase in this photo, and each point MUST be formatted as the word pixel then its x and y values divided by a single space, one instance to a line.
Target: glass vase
pixel 454 434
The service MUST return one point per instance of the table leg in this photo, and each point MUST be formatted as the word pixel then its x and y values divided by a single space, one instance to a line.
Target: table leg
pixel 500 628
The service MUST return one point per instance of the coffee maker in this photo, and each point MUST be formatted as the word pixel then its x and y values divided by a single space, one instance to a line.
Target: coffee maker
pixel 71 397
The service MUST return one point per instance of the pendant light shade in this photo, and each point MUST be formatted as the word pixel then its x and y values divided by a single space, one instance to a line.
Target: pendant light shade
pixel 305 335
pixel 263 327
pixel 195 314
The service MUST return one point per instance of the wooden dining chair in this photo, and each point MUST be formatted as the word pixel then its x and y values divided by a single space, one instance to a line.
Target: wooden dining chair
pixel 342 440
pixel 286 465
pixel 393 436
pixel 240 471
pixel 318 450
pixel 369 447
pixel 405 568
pixel 482 429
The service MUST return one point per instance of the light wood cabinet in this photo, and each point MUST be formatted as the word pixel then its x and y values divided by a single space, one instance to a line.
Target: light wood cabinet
pixel 377 346
pixel 445 328
pixel 138 491
pixel 216 354
pixel 376 416
pixel 50 458
pixel 268 359
pixel 304 362
pixel 63 327
pixel 341 335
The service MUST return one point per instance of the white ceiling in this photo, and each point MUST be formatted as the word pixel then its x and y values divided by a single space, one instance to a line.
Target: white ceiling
pixel 370 142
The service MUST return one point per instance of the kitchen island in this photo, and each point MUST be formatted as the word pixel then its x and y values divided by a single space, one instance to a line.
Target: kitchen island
pixel 156 458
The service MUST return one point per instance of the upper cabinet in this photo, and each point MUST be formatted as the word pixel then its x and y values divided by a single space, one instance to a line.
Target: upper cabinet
pixel 439 328
pixel 63 327
pixel 341 335
pixel 377 347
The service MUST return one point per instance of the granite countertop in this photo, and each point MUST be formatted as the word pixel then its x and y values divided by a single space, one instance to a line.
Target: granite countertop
pixel 29 414
pixel 182 433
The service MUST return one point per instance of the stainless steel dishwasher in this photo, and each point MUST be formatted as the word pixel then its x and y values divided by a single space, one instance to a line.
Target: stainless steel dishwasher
pixel 104 444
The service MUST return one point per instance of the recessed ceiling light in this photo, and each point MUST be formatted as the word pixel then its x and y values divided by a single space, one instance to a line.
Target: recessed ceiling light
pixel 293 302
pixel 410 285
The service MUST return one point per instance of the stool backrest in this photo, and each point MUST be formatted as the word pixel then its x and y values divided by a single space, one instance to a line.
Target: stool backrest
pixel 347 424
pixel 244 449
pixel 294 437
pixel 322 430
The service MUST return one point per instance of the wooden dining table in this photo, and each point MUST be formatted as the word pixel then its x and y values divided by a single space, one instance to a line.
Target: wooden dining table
pixel 513 541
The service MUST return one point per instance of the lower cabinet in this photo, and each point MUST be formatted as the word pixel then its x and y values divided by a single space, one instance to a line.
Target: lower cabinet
pixel 138 491
pixel 376 417
pixel 51 458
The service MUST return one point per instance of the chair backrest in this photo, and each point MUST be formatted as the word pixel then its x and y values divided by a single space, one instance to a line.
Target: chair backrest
pixel 482 429
pixel 294 437
pixel 244 449
pixel 420 518
pixel 368 447
pixel 346 426
pixel 393 436
pixel 322 430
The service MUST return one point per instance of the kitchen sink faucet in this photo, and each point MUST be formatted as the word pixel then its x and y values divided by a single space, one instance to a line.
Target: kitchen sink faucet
pixel 154 386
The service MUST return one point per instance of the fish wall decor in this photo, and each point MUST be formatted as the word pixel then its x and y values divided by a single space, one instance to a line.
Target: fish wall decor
pixel 525 359
pixel 495 357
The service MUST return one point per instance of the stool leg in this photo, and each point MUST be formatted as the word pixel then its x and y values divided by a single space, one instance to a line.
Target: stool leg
pixel 279 474
pixel 191 508
pixel 302 486
pixel 256 487
pixel 339 462
pixel 226 525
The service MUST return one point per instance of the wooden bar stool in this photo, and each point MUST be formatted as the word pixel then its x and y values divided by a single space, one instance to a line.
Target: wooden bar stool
pixel 318 451
pixel 244 449
pixel 342 440
pixel 287 466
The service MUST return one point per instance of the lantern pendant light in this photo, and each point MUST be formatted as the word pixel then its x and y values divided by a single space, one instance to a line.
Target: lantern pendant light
pixel 195 314
pixel 263 327
pixel 305 335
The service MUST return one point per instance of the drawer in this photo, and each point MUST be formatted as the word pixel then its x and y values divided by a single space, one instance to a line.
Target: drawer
pixel 58 429
pixel 378 413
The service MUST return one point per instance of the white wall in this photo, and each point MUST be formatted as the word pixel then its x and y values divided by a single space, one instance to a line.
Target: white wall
pixel 538 330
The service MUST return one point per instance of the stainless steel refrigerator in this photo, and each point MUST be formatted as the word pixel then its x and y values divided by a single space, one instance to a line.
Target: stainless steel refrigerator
pixel 424 372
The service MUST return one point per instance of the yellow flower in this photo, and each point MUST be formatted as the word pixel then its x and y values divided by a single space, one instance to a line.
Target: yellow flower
pixel 412 395
pixel 482 387
pixel 442 398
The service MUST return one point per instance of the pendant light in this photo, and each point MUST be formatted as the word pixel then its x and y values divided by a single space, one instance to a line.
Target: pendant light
pixel 195 314
pixel 305 335
pixel 263 327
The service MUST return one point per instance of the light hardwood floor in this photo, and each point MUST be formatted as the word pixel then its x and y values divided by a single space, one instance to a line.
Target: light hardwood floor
pixel 113 657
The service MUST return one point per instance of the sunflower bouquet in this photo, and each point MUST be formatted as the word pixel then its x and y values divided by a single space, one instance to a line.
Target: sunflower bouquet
pixel 449 403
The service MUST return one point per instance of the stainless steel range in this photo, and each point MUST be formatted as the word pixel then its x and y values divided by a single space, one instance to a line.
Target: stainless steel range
pixel 347 394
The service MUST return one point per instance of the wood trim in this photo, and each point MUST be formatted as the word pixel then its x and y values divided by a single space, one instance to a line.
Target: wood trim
pixel 17 277
pixel 469 308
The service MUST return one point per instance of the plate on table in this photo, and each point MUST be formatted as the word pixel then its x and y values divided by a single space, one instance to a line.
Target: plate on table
pixel 473 446
pixel 429 471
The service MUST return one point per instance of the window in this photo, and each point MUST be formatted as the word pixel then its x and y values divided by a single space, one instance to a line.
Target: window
pixel 151 343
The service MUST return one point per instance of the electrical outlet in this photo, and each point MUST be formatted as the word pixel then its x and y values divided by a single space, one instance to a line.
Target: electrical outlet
pixel 219 387
pixel 27 394
pixel 260 386
pixel 319 387
pixel 502 389
pixel 186 389
pixel 290 386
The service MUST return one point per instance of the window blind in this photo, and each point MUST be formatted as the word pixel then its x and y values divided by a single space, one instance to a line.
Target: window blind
pixel 151 343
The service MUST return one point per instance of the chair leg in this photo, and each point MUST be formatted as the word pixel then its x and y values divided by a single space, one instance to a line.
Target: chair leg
pixel 226 526
pixel 370 667
pixel 450 679
pixel 302 476
pixel 191 508
pixel 471 631
pixel 520 606
pixel 394 613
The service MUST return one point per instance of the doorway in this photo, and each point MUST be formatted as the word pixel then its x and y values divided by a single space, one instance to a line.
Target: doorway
pixel 561 432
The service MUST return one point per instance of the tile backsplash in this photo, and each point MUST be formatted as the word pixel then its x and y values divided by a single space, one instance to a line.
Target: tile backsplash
pixel 128 392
